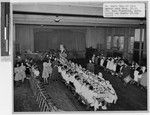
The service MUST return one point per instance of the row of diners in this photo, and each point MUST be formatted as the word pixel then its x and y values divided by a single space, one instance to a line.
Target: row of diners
pixel 42 69
pixel 128 71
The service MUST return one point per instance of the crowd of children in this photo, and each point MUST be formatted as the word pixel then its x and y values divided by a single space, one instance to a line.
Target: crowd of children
pixel 25 66
pixel 93 88
pixel 19 72
pixel 120 67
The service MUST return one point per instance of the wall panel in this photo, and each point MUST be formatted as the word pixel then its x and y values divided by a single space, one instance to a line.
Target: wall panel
pixel 24 37
pixel 95 37
pixel 83 37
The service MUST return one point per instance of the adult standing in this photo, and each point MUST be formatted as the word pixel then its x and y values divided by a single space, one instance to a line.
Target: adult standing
pixel 45 73
pixel 23 74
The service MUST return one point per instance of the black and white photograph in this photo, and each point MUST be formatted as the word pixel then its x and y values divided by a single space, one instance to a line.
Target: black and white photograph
pixel 78 56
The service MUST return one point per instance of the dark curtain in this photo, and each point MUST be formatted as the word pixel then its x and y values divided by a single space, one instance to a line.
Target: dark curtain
pixel 72 39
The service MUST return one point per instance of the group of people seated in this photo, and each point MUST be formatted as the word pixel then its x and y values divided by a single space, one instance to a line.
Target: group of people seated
pixel 22 70
pixel 95 90
pixel 118 66
pixel 40 67
pixel 19 71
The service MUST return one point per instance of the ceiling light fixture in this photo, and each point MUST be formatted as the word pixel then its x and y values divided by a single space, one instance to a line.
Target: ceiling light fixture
pixel 57 19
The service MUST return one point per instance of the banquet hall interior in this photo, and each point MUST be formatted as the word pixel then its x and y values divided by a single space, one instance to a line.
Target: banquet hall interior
pixel 69 57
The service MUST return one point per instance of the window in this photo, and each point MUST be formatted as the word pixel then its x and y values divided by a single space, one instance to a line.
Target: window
pixel 130 45
pixel 121 43
pixel 109 42
pixel 115 41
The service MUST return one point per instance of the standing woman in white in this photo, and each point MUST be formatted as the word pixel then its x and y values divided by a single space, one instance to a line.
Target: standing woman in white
pixel 17 74
pixel 23 74
pixel 45 73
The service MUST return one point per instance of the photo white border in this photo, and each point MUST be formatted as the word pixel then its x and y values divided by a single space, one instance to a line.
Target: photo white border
pixel 6 85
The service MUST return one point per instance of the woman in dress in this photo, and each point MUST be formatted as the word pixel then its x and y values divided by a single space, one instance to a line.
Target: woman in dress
pixel 45 73
pixel 23 74
pixel 17 74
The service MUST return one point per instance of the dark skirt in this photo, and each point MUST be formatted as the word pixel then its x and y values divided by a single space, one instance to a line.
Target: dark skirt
pixel 105 63
pixel 118 68
pixel 27 71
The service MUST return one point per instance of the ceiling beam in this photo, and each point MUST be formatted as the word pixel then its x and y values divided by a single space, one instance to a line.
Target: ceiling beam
pixel 50 20
pixel 58 9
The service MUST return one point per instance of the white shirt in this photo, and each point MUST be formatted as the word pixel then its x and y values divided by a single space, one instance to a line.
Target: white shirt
pixel 102 61
pixel 108 64
pixel 143 68
pixel 136 76
pixel 36 72
pixel 77 86
pixel 111 64
pixel 114 67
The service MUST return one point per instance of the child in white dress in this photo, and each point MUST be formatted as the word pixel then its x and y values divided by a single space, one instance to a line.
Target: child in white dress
pixel 101 62
pixel 35 71
pixel 108 64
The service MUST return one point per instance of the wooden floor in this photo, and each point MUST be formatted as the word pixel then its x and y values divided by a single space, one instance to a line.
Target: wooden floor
pixel 63 98
pixel 24 100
